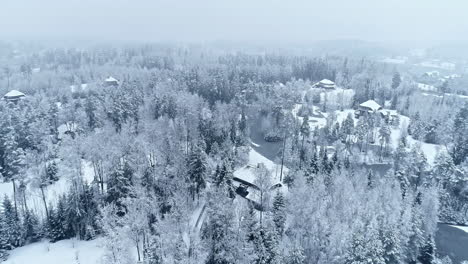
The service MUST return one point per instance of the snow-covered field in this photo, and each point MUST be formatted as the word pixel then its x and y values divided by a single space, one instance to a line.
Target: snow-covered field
pixel 398 60
pixel 62 252
pixel 464 228
pixel 438 64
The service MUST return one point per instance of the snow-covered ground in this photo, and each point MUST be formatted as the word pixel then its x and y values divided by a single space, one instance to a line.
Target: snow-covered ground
pixel 464 228
pixel 439 95
pixel 438 64
pixel 52 192
pixel 429 150
pixel 342 115
pixel 338 97
pixel 398 60
pixel 68 251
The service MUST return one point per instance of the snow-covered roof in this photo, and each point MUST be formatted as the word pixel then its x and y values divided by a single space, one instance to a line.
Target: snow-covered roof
pixel 326 81
pixel 14 93
pixel 371 104
pixel 111 79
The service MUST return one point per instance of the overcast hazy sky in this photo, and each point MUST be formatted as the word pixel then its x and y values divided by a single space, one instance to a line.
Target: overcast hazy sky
pixel 240 20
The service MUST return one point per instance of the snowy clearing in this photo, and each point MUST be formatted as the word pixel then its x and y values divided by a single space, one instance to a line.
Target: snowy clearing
pixel 62 252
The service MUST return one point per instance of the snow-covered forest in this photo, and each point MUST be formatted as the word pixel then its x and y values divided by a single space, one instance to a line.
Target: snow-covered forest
pixel 194 154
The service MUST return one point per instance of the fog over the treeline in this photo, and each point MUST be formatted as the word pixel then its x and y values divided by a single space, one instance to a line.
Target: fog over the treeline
pixel 299 21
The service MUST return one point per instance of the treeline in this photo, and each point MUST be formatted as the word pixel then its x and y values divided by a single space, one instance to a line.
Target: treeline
pixel 139 160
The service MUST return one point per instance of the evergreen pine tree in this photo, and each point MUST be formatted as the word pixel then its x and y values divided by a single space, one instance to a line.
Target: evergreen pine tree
pixel 279 214
pixel 11 226
pixel 222 249
pixel 119 186
pixel 31 227
pixel 53 118
pixel 51 171
pixel 459 150
pixel 396 80
pixel 197 169
pixel 57 223
pixel 313 168
pixel 296 255
pixel 427 252
pixel 391 245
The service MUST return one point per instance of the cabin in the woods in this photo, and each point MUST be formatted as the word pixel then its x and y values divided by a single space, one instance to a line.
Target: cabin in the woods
pixel 111 81
pixel 13 95
pixel 245 185
pixel 368 107
pixel 325 84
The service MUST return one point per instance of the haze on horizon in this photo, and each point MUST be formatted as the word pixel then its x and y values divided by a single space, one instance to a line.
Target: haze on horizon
pixel 299 21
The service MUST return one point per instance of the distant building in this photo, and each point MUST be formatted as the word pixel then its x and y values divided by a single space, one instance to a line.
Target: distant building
pixel 14 95
pixel 325 84
pixel 111 81
pixel 368 107
pixel 451 76
pixel 431 74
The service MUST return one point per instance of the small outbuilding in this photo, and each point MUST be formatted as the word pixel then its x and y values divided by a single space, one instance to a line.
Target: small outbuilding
pixel 13 95
pixel 325 84
pixel 111 81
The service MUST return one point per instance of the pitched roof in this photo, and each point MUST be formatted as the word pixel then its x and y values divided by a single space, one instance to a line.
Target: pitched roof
pixel 14 93
pixel 111 79
pixel 326 81
pixel 371 104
